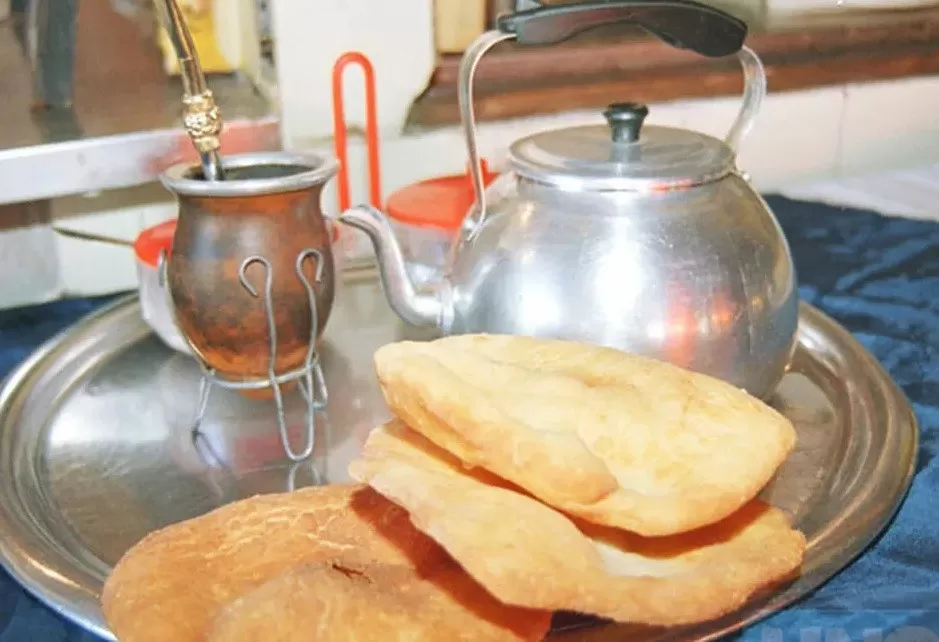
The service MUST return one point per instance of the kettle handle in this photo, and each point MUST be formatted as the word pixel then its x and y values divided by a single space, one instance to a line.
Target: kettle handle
pixel 683 24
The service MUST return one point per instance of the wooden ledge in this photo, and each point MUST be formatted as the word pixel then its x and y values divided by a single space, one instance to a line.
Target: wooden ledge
pixel 623 65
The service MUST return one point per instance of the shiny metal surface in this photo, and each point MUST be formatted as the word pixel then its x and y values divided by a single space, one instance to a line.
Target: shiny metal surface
pixel 655 245
pixel 202 118
pixel 754 92
pixel 41 171
pixel 254 174
pixel 702 277
pixel 95 451
pixel 468 64
pixel 588 157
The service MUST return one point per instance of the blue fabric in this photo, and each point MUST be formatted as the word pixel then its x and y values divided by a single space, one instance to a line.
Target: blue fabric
pixel 23 618
pixel 877 276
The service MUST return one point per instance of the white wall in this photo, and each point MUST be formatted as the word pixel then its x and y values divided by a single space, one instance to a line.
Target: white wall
pixel 397 36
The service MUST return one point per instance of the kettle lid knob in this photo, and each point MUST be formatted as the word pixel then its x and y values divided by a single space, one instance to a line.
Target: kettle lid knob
pixel 625 121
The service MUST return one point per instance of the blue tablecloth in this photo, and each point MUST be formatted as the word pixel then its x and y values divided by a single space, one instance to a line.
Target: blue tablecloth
pixel 877 276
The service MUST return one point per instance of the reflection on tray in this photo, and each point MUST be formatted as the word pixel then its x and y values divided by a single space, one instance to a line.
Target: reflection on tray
pixel 237 450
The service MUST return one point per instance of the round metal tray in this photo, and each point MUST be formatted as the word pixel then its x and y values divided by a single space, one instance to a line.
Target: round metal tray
pixel 95 450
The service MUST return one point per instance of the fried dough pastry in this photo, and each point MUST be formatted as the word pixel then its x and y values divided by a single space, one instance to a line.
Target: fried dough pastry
pixel 613 438
pixel 528 554
pixel 174 582
pixel 375 603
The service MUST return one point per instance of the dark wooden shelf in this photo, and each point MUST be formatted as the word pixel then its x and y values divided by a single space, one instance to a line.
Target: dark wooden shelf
pixel 621 64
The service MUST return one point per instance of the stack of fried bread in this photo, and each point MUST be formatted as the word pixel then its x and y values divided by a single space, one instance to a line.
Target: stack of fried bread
pixel 332 563
pixel 519 477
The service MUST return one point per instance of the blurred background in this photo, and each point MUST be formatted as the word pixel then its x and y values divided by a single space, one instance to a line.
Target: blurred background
pixel 90 102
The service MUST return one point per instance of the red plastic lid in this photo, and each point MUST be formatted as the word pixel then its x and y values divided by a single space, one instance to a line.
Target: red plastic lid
pixel 160 237
pixel 153 239
pixel 440 202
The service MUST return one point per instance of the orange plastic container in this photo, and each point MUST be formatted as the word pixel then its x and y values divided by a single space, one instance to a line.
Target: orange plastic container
pixel 427 215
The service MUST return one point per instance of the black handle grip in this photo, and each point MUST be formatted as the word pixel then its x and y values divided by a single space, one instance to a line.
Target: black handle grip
pixel 684 24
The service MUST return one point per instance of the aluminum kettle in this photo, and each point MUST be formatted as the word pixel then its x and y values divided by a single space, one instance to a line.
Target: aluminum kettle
pixel 646 239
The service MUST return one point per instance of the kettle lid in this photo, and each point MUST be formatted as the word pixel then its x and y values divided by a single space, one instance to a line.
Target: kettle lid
pixel 622 156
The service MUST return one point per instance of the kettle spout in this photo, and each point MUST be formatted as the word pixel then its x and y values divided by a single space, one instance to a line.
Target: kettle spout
pixel 417 307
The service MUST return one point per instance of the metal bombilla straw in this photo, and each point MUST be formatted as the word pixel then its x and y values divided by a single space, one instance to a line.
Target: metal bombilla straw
pixel 201 116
